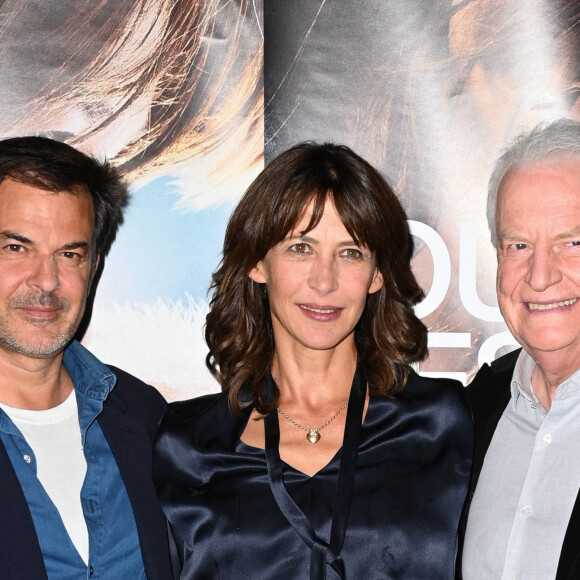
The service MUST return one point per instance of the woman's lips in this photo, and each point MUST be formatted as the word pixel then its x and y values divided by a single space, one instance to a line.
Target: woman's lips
pixel 321 312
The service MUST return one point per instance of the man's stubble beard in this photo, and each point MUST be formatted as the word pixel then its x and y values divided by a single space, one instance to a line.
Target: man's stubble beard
pixel 27 345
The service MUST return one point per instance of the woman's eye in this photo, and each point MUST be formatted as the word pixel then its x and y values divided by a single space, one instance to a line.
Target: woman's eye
pixel 300 248
pixel 352 253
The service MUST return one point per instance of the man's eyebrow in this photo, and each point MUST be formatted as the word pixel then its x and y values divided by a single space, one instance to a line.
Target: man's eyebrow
pixel 507 237
pixel 8 235
pixel 511 237
pixel 75 245
pixel 571 233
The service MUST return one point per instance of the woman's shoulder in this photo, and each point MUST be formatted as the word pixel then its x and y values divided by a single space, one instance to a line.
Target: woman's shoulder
pixel 190 410
pixel 440 405
pixel 188 431
pixel 430 387
pixel 447 397
pixel 199 422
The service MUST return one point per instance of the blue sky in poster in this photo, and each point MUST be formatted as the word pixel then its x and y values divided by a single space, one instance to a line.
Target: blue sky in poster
pixel 161 251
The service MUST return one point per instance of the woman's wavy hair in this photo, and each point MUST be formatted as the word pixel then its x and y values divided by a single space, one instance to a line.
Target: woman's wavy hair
pixel 388 337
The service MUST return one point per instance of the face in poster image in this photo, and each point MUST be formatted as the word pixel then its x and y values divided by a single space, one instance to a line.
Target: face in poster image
pixel 171 92
pixel 430 93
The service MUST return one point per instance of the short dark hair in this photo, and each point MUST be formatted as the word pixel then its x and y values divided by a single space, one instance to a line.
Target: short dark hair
pixel 388 337
pixel 57 167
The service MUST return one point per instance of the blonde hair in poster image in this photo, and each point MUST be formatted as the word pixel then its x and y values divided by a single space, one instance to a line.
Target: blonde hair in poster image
pixel 171 92
pixel 150 83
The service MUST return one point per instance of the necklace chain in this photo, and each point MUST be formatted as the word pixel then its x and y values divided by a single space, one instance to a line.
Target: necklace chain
pixel 312 433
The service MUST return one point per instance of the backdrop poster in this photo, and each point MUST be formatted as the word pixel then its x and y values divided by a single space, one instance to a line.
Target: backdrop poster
pixel 429 92
pixel 171 91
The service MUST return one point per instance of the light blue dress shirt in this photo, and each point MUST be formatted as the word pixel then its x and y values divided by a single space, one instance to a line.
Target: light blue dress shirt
pixel 528 485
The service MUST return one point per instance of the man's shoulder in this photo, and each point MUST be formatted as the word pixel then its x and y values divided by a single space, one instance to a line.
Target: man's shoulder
pixel 131 383
pixel 86 370
pixel 499 369
pixel 135 395
pixel 505 363
pixel 491 384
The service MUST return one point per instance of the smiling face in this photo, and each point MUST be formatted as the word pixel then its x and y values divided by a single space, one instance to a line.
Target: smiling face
pixel 317 284
pixel 538 282
pixel 45 268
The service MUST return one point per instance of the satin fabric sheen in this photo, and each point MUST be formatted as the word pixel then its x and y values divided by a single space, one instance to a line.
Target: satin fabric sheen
pixel 410 483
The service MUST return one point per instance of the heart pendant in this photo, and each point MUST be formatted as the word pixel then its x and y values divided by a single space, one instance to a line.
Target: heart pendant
pixel 313 435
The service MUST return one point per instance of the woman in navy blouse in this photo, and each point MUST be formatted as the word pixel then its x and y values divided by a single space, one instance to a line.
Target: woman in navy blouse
pixel 326 455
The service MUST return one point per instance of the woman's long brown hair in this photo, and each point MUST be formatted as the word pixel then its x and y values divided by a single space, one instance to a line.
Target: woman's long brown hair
pixel 388 337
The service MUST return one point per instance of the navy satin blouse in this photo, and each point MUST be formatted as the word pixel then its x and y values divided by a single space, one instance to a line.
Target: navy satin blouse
pixel 410 481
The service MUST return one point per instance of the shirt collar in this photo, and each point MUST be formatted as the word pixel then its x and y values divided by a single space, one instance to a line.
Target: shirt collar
pixel 90 377
pixel 521 385
pixel 92 380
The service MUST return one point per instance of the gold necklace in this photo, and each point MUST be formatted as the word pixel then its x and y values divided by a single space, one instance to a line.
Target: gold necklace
pixel 312 434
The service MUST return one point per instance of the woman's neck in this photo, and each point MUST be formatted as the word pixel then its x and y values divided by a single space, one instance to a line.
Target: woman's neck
pixel 314 378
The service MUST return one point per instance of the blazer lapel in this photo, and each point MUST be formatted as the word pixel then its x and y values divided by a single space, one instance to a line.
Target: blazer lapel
pixel 20 555
pixel 569 565
pixel 131 446
pixel 488 395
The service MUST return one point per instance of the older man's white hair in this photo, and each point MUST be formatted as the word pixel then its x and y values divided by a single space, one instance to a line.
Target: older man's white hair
pixel 542 145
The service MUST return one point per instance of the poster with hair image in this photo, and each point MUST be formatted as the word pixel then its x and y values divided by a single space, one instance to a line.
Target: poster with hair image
pixel 171 92
pixel 187 96
pixel 430 93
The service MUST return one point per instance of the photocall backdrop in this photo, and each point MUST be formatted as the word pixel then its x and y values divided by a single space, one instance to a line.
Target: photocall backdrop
pixel 189 97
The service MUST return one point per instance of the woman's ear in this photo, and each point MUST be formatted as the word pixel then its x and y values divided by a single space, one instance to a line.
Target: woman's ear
pixel 376 282
pixel 257 273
